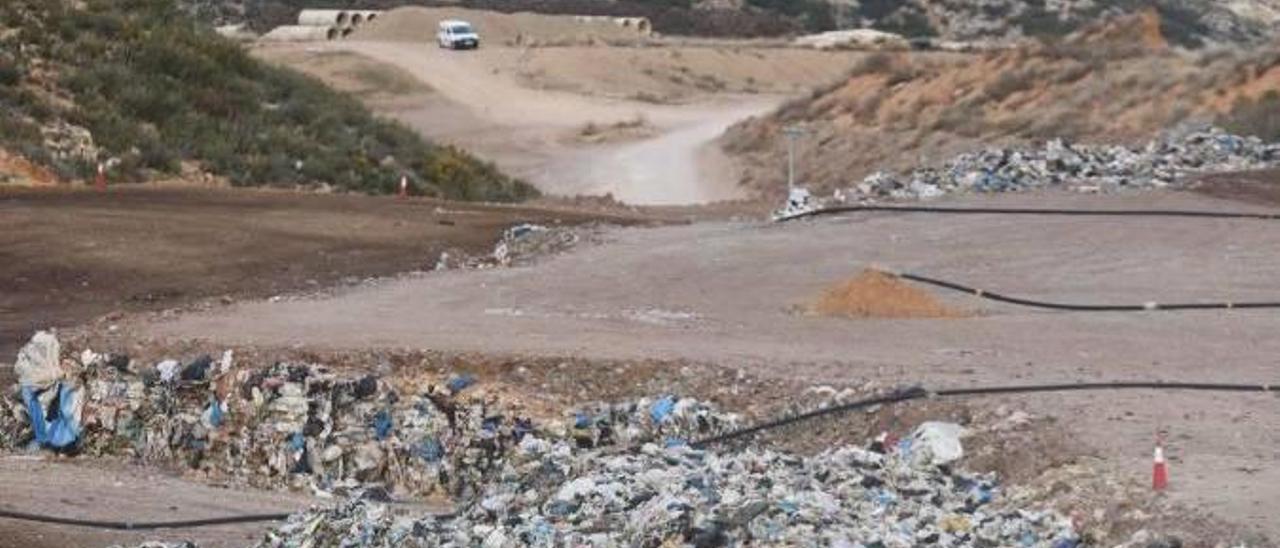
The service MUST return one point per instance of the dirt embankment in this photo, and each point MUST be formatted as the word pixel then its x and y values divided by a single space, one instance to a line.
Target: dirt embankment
pixel 895 111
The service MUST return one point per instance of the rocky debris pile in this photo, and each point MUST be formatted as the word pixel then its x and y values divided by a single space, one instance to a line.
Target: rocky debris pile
pixel 555 495
pixel 303 425
pixel 1059 163
pixel 522 243
pixel 519 245
pixel 69 142
pixel 853 39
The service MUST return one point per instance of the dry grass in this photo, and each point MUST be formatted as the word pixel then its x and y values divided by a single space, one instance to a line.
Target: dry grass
pixel 875 294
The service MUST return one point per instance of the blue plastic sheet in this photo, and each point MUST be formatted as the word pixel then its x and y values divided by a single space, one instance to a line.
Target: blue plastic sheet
pixel 60 430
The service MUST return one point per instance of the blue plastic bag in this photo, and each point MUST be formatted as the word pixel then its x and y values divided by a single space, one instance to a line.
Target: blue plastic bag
pixel 458 384
pixel 662 409
pixel 382 425
pixel 61 430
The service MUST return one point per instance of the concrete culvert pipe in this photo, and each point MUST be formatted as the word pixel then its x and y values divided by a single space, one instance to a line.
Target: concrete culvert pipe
pixel 324 18
pixel 356 19
pixel 300 33
pixel 346 31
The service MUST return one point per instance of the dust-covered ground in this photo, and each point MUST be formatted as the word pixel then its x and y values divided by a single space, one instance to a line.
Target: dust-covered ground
pixel 562 118
pixel 728 294
pixel 70 256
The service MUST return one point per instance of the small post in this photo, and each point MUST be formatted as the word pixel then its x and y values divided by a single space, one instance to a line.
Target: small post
pixel 792 133
pixel 404 187
pixel 1159 468
pixel 100 180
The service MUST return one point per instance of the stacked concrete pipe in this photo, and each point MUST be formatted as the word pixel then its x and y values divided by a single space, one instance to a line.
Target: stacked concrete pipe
pixel 322 24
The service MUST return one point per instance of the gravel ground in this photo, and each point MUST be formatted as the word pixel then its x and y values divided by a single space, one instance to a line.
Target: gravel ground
pixel 724 293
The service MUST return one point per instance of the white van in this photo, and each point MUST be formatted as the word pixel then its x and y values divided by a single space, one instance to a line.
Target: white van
pixel 455 34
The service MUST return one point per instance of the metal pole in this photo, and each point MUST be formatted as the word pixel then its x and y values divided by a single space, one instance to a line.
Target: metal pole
pixel 792 133
pixel 791 163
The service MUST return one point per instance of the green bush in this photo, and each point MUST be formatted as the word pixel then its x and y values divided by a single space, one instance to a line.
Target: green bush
pixel 1258 117
pixel 156 89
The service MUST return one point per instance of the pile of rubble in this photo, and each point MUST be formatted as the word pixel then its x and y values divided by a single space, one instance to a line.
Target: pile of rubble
pixel 1086 167
pixel 302 425
pixel 520 245
pixel 552 495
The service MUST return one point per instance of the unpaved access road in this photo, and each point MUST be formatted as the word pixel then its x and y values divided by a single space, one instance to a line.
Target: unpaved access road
pixel 724 293
pixel 479 102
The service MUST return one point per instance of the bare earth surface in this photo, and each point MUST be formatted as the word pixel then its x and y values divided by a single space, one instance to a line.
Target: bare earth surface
pixel 113 492
pixel 522 108
pixel 70 256
pixel 725 293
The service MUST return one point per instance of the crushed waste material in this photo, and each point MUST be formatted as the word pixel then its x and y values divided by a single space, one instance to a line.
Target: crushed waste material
pixel 519 245
pixel 302 425
pixel 553 494
pixel 1058 163
pixel 604 474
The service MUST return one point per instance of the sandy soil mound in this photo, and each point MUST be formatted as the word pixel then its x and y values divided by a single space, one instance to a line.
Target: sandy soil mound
pixel 415 24
pixel 875 294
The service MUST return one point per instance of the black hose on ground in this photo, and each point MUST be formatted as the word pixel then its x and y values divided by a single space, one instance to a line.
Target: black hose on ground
pixel 917 392
pixel 993 296
pixel 1035 211
pixel 143 525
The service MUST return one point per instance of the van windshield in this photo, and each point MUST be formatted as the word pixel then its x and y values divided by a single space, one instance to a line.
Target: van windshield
pixel 460 29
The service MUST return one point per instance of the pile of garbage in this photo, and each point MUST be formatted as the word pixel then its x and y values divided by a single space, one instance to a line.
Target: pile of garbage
pixel 301 425
pixel 550 494
pixel 524 242
pixel 1059 163
pixel 520 245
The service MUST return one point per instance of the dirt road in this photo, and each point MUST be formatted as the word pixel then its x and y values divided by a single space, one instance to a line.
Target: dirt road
pixel 69 256
pixel 523 129
pixel 522 108
pixel 724 293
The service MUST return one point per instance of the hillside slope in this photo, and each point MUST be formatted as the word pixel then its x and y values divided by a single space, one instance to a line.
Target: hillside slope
pixel 142 87
pixel 1191 22
pixel 1112 85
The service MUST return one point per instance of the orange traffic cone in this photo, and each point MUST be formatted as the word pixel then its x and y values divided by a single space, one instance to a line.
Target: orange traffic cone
pixel 100 181
pixel 1159 468
pixel 404 187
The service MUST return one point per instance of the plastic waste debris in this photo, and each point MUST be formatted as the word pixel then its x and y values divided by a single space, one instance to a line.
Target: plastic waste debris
pixel 1057 163
pixel 937 443
pixel 650 496
pixel 38 361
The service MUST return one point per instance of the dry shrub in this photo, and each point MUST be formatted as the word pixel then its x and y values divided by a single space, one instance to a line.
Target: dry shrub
pixel 875 294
